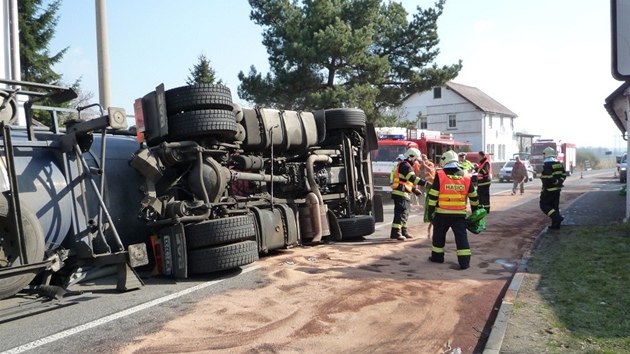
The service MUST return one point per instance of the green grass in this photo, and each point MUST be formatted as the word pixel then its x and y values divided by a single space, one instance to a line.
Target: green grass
pixel 586 283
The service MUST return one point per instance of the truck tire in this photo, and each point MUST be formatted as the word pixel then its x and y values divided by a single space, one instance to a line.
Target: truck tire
pixel 9 252
pixel 345 118
pixel 220 231
pixel 208 260
pixel 356 227
pixel 196 97
pixel 199 123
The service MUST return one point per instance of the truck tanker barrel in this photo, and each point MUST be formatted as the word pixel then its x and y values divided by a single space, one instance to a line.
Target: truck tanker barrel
pixel 60 217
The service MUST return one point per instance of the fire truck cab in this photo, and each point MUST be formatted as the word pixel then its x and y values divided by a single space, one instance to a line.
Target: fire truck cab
pixel 395 141
pixel 565 153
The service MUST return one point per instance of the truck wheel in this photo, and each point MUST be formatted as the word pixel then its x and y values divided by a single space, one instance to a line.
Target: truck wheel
pixel 208 260
pixel 193 124
pixel 356 227
pixel 220 231
pixel 9 251
pixel 199 96
pixel 345 118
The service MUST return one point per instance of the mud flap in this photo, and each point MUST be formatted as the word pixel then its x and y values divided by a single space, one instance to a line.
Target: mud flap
pixel 372 139
pixel 127 278
pixel 377 203
pixel 335 229
pixel 174 256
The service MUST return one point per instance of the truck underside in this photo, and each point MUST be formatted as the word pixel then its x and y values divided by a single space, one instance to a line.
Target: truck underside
pixel 208 185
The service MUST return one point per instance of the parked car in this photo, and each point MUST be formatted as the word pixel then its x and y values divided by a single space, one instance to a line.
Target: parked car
pixel 623 165
pixel 505 174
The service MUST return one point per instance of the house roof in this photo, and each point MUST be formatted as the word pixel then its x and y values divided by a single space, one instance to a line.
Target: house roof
pixel 610 106
pixel 480 99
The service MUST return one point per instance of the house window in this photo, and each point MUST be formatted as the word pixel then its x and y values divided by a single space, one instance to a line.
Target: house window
pixel 490 122
pixel 437 92
pixel 512 123
pixel 423 122
pixel 489 149
pixel 501 122
pixel 452 121
pixel 501 152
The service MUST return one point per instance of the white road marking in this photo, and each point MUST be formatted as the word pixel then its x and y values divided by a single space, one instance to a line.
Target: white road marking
pixel 388 223
pixel 110 318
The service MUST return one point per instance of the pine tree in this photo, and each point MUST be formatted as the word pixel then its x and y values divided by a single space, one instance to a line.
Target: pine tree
pixel 344 53
pixel 202 72
pixel 37 24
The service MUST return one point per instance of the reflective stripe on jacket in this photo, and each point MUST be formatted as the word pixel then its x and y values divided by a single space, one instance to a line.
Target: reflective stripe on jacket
pixel 452 194
pixel 404 179
pixel 553 175
pixel 401 186
pixel 484 172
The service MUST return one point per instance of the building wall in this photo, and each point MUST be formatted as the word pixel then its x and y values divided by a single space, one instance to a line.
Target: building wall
pixel 482 130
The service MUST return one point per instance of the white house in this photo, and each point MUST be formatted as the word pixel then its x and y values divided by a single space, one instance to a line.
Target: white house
pixel 468 114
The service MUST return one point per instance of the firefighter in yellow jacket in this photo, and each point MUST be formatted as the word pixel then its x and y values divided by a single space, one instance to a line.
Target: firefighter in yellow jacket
pixel 447 209
pixel 404 182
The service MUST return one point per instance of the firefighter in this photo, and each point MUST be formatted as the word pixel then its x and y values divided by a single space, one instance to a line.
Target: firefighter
pixel 447 209
pixel 428 169
pixel 400 158
pixel 484 179
pixel 404 182
pixel 552 178
pixel 464 164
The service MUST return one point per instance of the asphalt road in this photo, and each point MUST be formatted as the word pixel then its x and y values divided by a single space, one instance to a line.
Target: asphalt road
pixel 100 317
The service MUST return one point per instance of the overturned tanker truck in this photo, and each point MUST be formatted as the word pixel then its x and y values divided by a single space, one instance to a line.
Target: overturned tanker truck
pixel 226 183
pixel 202 185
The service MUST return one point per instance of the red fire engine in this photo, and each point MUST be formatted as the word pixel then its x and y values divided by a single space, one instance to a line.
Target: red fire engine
pixel 565 153
pixel 395 141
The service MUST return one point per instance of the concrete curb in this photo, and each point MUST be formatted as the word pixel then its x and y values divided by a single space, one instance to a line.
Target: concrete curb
pixel 497 332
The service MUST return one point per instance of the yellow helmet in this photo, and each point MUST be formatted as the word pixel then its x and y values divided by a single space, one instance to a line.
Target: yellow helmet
pixel 549 152
pixel 448 157
pixel 412 153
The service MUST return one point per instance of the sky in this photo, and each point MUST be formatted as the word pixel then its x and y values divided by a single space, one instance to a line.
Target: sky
pixel 547 61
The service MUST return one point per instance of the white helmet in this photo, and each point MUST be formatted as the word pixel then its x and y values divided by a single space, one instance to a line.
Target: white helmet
pixel 549 152
pixel 413 153
pixel 448 157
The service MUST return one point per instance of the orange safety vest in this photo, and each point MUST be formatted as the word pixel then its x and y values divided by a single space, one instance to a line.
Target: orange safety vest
pixel 407 185
pixel 484 178
pixel 429 171
pixel 452 194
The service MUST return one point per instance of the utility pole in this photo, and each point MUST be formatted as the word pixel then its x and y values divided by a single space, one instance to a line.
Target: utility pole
pixel 103 54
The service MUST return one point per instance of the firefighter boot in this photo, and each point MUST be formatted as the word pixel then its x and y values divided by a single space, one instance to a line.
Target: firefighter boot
pixel 436 257
pixel 464 262
pixel 396 234
pixel 556 221
pixel 405 233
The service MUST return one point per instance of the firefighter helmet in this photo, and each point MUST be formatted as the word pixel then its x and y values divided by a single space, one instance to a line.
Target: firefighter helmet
pixel 448 157
pixel 412 153
pixel 549 152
